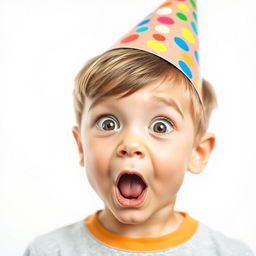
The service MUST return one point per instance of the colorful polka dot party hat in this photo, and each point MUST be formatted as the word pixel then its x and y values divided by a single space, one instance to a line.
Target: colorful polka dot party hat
pixel 171 33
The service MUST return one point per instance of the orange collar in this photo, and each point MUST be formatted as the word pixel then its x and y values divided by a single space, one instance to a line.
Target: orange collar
pixel 186 230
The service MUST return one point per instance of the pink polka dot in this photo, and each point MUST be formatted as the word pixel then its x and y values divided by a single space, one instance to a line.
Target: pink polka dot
pixel 159 37
pixel 130 38
pixel 165 20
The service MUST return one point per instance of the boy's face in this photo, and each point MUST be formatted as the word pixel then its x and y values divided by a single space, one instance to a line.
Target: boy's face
pixel 132 135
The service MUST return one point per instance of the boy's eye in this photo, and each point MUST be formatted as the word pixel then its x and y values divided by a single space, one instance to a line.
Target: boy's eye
pixel 163 126
pixel 108 123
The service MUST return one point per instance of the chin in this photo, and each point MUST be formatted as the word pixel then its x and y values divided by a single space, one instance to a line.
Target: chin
pixel 131 216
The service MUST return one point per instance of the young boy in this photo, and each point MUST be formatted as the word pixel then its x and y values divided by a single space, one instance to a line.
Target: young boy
pixel 142 118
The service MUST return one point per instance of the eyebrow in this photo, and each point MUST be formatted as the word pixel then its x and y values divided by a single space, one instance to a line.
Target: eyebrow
pixel 94 103
pixel 167 101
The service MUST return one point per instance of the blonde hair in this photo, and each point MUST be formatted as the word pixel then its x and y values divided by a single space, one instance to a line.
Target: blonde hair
pixel 123 71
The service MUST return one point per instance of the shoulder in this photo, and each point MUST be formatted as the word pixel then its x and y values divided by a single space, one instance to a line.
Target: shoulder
pixel 223 244
pixel 55 241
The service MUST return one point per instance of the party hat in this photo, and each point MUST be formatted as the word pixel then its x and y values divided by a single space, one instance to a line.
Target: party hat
pixel 170 32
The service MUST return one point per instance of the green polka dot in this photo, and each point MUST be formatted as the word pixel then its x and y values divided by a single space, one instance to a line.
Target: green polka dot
pixel 193 3
pixel 181 16
pixel 195 16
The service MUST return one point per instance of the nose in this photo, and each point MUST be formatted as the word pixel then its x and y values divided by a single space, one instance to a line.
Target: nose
pixel 130 150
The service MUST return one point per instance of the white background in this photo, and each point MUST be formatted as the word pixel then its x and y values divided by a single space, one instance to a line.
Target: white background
pixel 42 47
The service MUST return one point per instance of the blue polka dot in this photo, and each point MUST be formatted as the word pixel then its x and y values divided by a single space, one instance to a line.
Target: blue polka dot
pixel 193 26
pixel 144 22
pixel 185 68
pixel 142 29
pixel 181 43
pixel 196 56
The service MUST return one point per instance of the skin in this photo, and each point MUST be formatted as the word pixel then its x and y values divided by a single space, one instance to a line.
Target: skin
pixel 161 156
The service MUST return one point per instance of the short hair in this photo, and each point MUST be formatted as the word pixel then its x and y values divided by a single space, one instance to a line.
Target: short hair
pixel 123 71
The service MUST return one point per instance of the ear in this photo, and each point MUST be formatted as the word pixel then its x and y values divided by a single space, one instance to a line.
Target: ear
pixel 201 153
pixel 76 134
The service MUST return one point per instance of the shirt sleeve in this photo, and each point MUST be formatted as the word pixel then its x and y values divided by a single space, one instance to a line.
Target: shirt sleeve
pixel 41 247
pixel 231 246
pixel 31 251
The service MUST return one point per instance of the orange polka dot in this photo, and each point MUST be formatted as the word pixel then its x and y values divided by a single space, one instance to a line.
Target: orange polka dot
pixel 165 5
pixel 187 59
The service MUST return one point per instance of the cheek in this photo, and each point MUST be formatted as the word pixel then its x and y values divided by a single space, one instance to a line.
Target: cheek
pixel 173 156
pixel 171 165
pixel 97 164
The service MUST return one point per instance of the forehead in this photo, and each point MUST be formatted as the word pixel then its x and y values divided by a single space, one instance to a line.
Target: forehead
pixel 166 92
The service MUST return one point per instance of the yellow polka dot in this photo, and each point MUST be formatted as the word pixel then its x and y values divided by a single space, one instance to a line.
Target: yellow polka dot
pixel 183 7
pixel 187 59
pixel 156 45
pixel 162 29
pixel 188 35
pixel 198 85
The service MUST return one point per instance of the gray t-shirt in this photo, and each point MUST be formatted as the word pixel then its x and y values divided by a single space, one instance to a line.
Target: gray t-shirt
pixel 77 240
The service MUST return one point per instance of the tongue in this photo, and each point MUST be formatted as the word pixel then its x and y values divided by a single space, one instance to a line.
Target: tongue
pixel 131 185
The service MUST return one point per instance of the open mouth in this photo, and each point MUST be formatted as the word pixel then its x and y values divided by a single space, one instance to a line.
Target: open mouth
pixel 130 189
